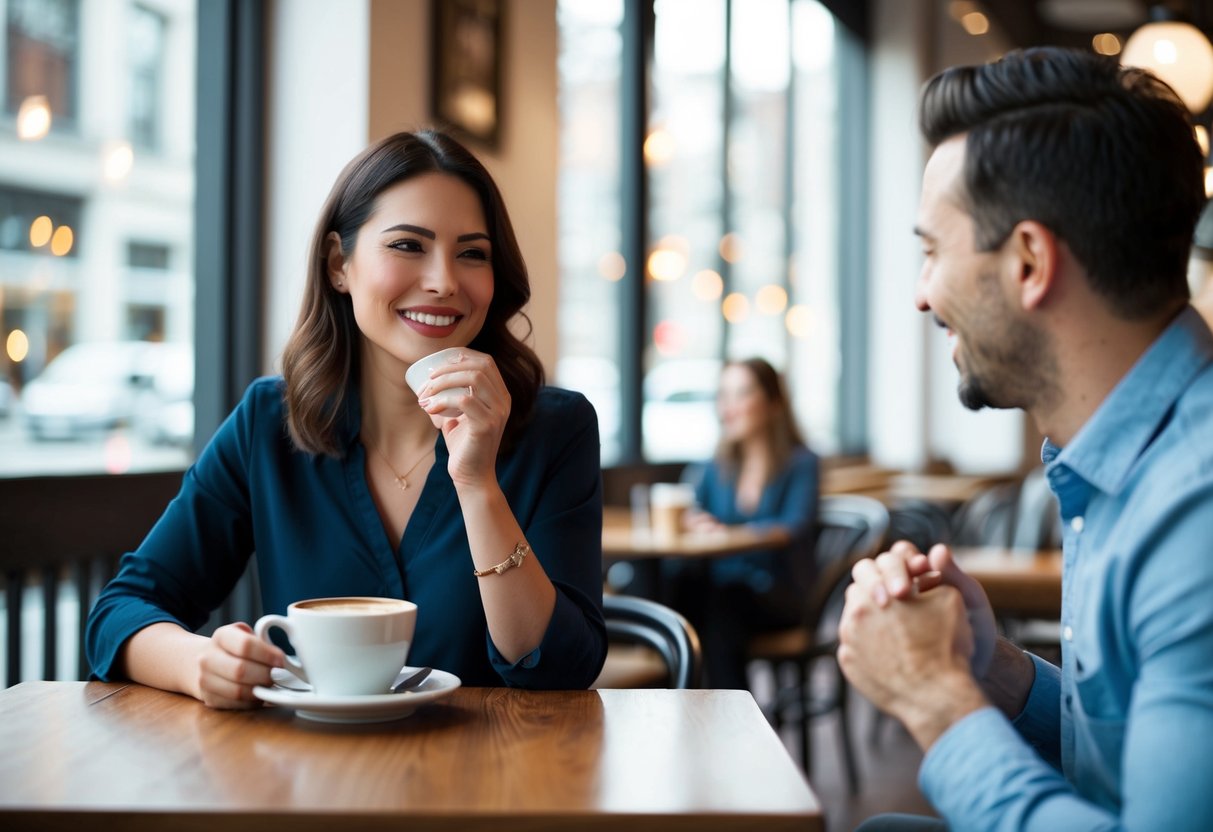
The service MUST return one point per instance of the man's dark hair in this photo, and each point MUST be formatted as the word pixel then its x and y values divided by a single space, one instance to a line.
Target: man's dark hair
pixel 1102 155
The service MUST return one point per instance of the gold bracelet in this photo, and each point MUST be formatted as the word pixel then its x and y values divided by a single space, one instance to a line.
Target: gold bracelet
pixel 515 559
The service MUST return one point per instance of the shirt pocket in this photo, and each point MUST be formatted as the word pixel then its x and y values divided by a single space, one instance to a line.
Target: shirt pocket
pixel 1099 736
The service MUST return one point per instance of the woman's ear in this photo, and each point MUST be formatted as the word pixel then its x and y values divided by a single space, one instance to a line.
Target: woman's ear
pixel 1035 257
pixel 334 261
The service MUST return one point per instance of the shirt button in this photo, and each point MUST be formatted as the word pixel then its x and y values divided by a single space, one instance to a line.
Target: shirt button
pixel 1076 524
pixel 1068 633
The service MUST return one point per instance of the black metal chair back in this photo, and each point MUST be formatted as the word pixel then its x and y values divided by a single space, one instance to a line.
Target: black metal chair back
pixel 633 620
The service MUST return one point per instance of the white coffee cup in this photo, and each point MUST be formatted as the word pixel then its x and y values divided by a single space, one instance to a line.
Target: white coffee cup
pixel 668 505
pixel 418 376
pixel 348 646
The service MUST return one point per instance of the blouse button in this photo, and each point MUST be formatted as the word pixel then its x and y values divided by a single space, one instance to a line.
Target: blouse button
pixel 1076 523
pixel 1068 633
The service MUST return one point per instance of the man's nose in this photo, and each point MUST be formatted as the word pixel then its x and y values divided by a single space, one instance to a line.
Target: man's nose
pixel 920 294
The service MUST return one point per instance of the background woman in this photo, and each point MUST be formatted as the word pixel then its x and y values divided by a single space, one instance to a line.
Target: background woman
pixel 762 475
pixel 343 482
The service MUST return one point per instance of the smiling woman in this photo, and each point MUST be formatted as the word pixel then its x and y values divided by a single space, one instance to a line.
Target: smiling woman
pixel 500 546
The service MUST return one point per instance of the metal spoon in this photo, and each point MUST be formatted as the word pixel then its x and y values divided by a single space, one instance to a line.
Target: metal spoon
pixel 412 680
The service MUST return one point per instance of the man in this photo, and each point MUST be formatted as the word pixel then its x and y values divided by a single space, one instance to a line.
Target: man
pixel 1056 217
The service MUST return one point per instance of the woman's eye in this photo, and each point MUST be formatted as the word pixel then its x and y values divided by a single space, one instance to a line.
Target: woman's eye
pixel 406 245
pixel 474 254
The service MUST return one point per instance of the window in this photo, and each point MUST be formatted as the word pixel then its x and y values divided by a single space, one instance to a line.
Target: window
pixel 591 263
pixel 96 238
pixel 37 222
pixel 147 58
pixel 147 256
pixel 42 39
pixel 741 160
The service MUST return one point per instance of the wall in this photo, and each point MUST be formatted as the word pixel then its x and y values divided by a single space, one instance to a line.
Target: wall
pixel 914 416
pixel 316 122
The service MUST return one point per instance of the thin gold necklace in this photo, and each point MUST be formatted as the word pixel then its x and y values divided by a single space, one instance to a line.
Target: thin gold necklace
pixel 401 482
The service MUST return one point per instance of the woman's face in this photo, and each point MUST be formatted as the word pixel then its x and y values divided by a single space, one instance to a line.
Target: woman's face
pixel 743 407
pixel 420 277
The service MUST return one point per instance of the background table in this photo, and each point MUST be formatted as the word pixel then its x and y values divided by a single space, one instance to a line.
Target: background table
pixel 621 542
pixel 84 756
pixel 1017 582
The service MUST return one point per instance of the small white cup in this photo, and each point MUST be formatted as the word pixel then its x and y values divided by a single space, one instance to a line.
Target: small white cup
pixel 350 646
pixel 668 505
pixel 418 376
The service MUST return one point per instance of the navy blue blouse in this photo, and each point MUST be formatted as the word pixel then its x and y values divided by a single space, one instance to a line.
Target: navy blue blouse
pixel 788 500
pixel 316 532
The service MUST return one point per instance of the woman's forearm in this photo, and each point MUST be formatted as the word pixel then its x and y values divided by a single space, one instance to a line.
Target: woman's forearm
pixel 165 656
pixel 518 602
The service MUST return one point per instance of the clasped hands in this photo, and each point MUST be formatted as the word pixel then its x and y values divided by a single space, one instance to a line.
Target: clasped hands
pixel 915 636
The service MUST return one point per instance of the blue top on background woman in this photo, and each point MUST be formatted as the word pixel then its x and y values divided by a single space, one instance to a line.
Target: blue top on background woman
pixel 345 482
pixel 763 474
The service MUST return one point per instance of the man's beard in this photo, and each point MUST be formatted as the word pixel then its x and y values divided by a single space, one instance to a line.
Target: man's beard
pixel 972 394
pixel 1011 367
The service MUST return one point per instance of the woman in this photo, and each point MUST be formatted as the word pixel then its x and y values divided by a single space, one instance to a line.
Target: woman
pixel 762 475
pixel 345 482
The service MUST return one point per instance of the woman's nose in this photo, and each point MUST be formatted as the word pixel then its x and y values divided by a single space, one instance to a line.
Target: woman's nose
pixel 439 278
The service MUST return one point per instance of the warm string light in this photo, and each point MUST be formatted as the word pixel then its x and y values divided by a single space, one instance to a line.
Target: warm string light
pixel 33 118
pixel 1179 54
pixel 1106 43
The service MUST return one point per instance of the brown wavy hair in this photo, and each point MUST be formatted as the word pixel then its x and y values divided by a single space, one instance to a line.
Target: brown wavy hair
pixel 321 361
pixel 782 435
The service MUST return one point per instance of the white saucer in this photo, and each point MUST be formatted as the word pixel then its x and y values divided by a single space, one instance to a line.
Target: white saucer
pixel 380 707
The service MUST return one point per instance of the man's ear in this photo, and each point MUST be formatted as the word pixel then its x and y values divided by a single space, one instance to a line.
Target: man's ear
pixel 1033 252
pixel 334 261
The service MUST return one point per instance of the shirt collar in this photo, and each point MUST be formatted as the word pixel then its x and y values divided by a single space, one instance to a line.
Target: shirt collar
pixel 1106 448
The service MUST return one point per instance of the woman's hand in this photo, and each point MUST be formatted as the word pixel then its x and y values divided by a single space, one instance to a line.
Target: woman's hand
pixel 697 520
pixel 233 664
pixel 473 438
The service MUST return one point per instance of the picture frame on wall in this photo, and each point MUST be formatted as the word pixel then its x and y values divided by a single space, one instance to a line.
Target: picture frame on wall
pixel 466 68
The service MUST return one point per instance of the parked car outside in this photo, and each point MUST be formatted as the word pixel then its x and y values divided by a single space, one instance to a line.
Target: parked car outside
pixel 165 413
pixel 8 399
pixel 89 388
pixel 679 417
pixel 598 380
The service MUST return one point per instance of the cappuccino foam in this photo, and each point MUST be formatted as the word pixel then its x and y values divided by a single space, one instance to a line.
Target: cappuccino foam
pixel 366 606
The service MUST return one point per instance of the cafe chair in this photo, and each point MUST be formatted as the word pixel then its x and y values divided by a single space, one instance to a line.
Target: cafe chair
pixel 849 528
pixel 648 645
pixel 1019 515
pixel 62 539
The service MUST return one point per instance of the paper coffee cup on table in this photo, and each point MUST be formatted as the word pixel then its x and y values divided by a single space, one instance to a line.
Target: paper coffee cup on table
pixel 348 646
pixel 668 505
pixel 418 376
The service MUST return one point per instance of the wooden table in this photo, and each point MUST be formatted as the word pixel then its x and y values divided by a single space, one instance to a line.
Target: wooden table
pixel 1017 582
pixel 621 542
pixel 90 755
pixel 855 479
pixel 945 489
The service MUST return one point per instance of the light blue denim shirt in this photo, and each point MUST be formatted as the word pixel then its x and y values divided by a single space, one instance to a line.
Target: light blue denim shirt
pixel 1121 736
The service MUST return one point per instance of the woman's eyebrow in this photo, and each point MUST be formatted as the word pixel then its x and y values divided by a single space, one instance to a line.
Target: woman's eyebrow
pixel 475 235
pixel 415 229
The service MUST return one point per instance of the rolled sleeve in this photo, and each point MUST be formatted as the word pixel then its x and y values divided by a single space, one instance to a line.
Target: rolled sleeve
pixel 982 775
pixel 1039 723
